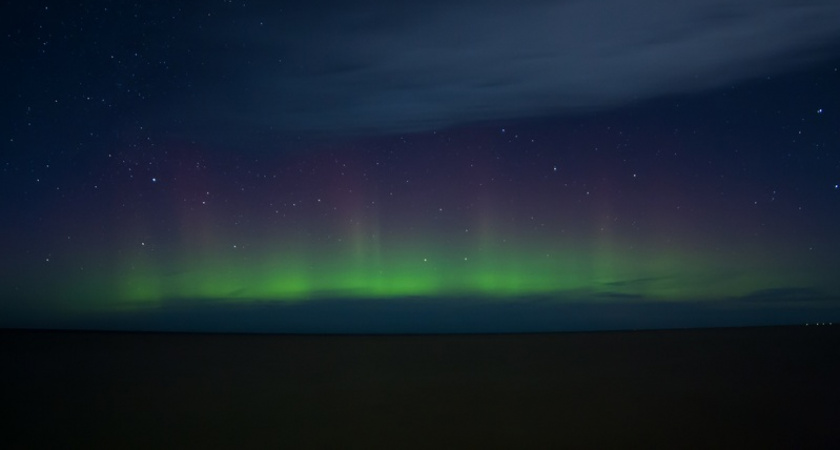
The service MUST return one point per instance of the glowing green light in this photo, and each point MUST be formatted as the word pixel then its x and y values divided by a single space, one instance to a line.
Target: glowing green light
pixel 367 266
pixel 426 270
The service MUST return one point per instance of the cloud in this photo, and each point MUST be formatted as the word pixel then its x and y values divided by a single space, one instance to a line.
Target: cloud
pixel 400 66
pixel 791 294
pixel 638 282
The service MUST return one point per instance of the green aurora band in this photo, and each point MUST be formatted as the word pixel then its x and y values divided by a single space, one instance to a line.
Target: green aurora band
pixel 455 238
pixel 369 267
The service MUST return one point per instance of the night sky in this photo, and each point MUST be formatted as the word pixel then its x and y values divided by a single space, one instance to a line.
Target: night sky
pixel 419 166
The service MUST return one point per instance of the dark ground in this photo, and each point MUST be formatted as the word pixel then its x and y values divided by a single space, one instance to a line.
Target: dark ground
pixel 714 388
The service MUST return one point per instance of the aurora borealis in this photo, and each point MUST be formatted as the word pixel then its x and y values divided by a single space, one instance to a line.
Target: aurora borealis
pixel 162 170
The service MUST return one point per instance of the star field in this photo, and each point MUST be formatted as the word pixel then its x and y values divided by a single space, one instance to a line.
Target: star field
pixel 152 164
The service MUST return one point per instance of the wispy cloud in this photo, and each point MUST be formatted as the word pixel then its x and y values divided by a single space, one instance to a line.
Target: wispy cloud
pixel 791 294
pixel 384 68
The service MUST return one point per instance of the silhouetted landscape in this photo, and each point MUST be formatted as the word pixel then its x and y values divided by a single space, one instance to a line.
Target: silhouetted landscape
pixel 761 387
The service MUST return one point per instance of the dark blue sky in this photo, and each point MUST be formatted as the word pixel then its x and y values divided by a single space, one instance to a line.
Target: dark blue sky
pixel 555 165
